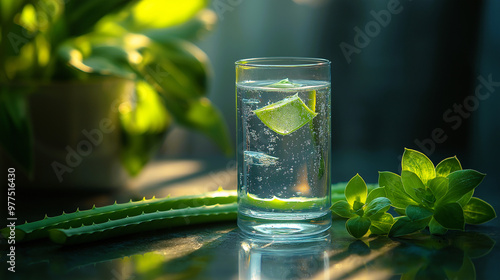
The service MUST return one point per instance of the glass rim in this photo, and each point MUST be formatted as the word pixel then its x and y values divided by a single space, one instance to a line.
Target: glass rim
pixel 283 61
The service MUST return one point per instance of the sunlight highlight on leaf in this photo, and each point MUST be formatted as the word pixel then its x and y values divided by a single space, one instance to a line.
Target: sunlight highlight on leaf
pixel 419 164
pixel 356 190
pixel 447 166
pixel 149 14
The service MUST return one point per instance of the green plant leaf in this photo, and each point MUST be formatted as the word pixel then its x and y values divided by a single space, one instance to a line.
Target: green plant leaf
pixel 411 182
pixel 81 16
pixel 438 186
pixel 460 183
pixel 144 125
pixel 356 190
pixel 179 75
pixel 9 9
pixel 358 208
pixel 91 56
pixel 201 23
pixel 447 166
pixel 400 211
pixel 343 209
pixel 426 197
pixel 436 228
pixel 104 66
pixel 381 223
pixel 394 189
pixel 377 192
pixel 465 198
pixel 175 65
pixel 405 225
pixel 358 226
pixel 378 205
pixel 201 115
pixel 154 14
pixel 419 164
pixel 478 211
pixel 417 212
pixel 450 215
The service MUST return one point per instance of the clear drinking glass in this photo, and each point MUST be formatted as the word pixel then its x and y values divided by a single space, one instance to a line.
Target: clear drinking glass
pixel 284 128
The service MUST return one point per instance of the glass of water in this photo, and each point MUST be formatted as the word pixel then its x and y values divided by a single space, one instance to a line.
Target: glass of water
pixel 284 128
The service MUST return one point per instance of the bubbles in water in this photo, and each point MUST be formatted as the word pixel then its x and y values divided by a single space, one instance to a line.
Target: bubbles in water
pixel 253 134
pixel 258 158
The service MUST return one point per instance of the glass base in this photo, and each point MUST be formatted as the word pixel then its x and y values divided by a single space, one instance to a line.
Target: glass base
pixel 284 228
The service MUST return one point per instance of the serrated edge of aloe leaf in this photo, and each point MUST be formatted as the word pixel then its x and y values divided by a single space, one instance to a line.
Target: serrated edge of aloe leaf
pixel 145 222
pixel 38 229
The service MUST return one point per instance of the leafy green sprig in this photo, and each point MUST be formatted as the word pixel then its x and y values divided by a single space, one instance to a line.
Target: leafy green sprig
pixel 365 211
pixel 439 197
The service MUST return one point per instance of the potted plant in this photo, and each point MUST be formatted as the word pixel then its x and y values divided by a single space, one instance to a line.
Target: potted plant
pixel 89 88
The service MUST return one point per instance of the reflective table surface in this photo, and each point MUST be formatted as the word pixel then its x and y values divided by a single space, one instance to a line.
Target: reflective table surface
pixel 221 251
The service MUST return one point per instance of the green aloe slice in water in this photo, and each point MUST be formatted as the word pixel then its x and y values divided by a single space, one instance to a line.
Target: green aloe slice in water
pixel 287 115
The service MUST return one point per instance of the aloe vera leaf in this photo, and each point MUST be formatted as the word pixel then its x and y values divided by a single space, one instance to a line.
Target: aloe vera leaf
pixel 38 229
pixel 145 222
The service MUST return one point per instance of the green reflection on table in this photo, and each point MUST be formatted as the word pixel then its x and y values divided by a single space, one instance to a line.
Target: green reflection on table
pixel 418 256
